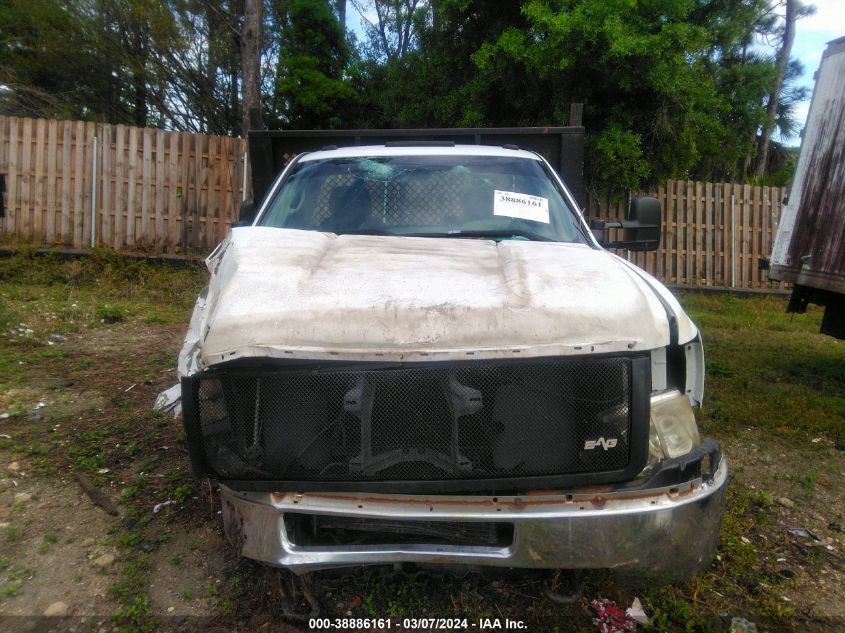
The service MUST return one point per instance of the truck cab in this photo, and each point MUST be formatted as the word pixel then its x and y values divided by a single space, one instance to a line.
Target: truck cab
pixel 421 353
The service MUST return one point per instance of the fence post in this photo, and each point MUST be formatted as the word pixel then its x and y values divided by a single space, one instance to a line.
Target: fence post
pixel 733 244
pixel 243 191
pixel 94 195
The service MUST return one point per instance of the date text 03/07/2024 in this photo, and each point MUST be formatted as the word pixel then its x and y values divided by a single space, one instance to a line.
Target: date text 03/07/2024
pixel 415 624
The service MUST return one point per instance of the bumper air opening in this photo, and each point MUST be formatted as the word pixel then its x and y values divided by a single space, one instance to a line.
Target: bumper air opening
pixel 309 530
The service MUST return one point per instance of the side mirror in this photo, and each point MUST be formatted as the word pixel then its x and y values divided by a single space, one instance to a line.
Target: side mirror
pixel 644 212
pixel 246 215
pixel 640 230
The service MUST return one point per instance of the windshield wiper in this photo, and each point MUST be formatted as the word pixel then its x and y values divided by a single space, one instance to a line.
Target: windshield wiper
pixel 504 233
pixel 365 232
pixel 509 233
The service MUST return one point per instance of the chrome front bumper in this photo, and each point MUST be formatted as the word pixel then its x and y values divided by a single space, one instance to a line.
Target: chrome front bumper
pixel 666 532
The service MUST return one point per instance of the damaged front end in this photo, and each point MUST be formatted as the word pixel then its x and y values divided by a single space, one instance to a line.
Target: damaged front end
pixel 335 464
pixel 400 432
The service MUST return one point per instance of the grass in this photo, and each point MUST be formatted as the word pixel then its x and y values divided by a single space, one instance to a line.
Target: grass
pixel 134 612
pixel 103 429
pixel 50 538
pixel 43 296
pixel 12 582
pixel 12 534
pixel 768 373
pixel 767 369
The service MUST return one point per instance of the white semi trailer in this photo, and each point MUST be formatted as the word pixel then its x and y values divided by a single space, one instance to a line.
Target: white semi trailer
pixel 809 250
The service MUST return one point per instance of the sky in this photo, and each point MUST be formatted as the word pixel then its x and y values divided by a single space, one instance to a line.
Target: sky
pixel 811 35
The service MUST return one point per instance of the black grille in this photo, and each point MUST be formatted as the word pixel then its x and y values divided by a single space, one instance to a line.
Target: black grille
pixel 468 421
pixel 318 529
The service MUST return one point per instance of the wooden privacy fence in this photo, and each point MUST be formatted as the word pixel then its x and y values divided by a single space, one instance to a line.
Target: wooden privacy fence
pixel 76 184
pixel 714 234
pixel 80 184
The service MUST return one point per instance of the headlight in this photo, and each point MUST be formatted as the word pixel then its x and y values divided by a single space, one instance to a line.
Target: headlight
pixel 673 429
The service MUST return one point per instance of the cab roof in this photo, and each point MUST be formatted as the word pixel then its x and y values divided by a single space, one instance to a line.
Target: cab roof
pixel 419 150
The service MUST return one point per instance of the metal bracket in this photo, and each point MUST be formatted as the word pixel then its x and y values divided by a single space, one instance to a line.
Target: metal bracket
pixel 462 400
pixel 358 401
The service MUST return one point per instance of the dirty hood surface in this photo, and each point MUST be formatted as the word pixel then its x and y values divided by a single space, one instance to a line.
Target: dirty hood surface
pixel 302 294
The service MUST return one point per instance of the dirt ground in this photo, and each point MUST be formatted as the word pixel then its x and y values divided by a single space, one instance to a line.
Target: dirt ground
pixel 82 404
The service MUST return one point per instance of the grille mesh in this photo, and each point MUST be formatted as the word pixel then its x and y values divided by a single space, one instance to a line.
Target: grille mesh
pixel 467 421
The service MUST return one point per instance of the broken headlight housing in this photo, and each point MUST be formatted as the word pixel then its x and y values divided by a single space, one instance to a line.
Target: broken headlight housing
pixel 673 429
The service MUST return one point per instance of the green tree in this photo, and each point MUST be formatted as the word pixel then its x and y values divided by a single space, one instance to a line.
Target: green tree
pixel 173 64
pixel 50 62
pixel 310 91
pixel 393 34
pixel 671 88
pixel 436 83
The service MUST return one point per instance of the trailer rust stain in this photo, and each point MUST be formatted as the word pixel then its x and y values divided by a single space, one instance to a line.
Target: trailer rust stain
pixel 822 205
pixel 809 250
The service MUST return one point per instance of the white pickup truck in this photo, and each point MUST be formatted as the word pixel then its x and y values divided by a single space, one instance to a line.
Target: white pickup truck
pixel 421 353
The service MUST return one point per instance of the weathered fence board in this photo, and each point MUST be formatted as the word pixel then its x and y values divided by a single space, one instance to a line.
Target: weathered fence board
pixel 151 190
pixel 175 192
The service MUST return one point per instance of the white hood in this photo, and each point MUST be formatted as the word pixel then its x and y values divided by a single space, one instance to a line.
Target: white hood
pixel 302 294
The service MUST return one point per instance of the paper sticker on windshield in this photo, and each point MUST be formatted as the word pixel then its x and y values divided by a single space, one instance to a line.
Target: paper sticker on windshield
pixel 521 205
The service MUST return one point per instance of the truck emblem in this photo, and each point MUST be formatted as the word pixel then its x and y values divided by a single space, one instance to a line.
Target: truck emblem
pixel 604 443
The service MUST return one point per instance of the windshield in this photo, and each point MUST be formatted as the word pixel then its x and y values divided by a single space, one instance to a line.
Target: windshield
pixel 438 196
